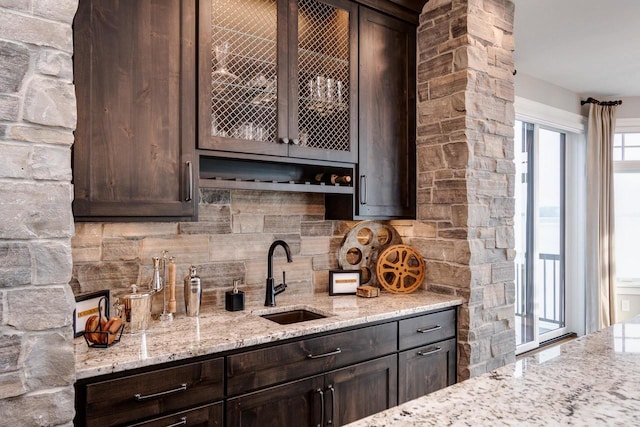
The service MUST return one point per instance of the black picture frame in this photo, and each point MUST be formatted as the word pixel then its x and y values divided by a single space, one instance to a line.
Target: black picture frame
pixel 86 305
pixel 344 282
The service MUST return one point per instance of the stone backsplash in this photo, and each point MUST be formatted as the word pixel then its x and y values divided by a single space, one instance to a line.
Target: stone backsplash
pixel 229 241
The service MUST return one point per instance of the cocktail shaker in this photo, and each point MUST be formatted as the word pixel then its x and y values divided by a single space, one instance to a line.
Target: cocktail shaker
pixel 192 293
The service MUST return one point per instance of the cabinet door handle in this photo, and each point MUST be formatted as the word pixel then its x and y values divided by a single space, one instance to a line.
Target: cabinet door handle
pixel 190 187
pixel 139 397
pixel 363 189
pixel 318 356
pixel 284 140
pixel 426 353
pixel 333 404
pixel 321 393
pixel 182 422
pixel 295 141
pixel 429 329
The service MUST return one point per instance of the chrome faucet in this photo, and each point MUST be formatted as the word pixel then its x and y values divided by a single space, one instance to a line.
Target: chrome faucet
pixel 272 291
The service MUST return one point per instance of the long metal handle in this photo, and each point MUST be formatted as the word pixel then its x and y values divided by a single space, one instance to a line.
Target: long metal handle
pixel 429 329
pixel 321 393
pixel 363 189
pixel 139 397
pixel 182 422
pixel 426 353
pixel 333 404
pixel 190 188
pixel 318 356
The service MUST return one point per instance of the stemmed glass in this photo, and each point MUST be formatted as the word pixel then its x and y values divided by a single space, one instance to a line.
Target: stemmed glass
pixel 222 54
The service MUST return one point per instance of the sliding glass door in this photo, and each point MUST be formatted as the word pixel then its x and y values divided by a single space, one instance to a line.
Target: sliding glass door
pixel 539 234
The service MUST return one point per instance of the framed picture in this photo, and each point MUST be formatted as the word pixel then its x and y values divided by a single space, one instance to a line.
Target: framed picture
pixel 344 282
pixel 86 305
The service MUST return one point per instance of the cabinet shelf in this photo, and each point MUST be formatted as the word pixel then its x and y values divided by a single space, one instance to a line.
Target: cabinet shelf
pixel 246 173
pixel 291 186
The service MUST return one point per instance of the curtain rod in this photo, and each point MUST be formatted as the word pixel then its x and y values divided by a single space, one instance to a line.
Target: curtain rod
pixel 595 101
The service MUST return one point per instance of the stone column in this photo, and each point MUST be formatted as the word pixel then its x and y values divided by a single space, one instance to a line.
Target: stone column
pixel 466 171
pixel 37 120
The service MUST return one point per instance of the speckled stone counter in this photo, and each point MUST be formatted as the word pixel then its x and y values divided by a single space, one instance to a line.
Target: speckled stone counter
pixel 218 330
pixel 591 381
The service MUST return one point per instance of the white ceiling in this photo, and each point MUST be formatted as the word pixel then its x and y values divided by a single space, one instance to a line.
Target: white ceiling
pixel 590 47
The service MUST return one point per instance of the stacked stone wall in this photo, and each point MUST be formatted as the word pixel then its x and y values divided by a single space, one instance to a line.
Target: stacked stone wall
pixel 37 120
pixel 466 170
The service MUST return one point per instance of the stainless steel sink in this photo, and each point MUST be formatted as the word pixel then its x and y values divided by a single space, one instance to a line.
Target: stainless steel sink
pixel 293 316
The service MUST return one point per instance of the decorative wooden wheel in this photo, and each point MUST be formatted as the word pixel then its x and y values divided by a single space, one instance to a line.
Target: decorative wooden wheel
pixel 400 269
pixel 362 245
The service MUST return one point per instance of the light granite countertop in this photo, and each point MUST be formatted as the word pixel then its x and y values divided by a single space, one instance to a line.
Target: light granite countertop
pixel 218 330
pixel 591 381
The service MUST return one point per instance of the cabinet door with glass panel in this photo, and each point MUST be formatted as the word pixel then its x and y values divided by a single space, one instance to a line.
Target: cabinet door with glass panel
pixel 277 77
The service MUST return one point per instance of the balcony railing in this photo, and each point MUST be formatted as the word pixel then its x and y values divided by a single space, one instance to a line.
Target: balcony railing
pixel 552 296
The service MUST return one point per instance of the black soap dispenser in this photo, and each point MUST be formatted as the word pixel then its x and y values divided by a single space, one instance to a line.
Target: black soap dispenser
pixel 234 300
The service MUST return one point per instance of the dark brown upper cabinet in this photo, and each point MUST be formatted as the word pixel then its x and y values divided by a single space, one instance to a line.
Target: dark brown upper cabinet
pixel 135 77
pixel 279 78
pixel 386 184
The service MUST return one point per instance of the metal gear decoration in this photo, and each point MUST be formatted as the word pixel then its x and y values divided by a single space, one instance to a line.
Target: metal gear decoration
pixel 362 245
pixel 400 269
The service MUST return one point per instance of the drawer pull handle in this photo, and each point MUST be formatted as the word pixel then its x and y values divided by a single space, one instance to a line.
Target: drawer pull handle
pixel 190 187
pixel 139 397
pixel 430 329
pixel 333 404
pixel 182 422
pixel 426 353
pixel 318 356
pixel 321 393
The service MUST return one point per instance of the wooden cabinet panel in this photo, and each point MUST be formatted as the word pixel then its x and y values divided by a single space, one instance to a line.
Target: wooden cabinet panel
pixel 426 369
pixel 205 416
pixel 427 329
pixel 134 69
pixel 387 105
pixel 334 399
pixel 361 390
pixel 296 403
pixel 144 395
pixel 259 368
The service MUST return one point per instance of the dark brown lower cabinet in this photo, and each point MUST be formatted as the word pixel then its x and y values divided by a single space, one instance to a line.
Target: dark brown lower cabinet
pixel 333 399
pixel 426 369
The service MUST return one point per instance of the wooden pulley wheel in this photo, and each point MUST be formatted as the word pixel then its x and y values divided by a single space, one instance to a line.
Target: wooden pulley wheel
pixel 362 245
pixel 400 269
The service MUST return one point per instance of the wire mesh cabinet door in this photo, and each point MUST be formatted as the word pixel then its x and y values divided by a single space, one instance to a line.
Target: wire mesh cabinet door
pixel 275 77
pixel 242 64
pixel 324 89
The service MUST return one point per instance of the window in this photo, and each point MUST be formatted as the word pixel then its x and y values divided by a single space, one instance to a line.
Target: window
pixel 627 223
pixel 539 225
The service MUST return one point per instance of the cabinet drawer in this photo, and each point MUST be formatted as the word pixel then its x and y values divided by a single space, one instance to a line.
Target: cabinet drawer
pixel 427 329
pixel 141 396
pixel 259 368
pixel 204 416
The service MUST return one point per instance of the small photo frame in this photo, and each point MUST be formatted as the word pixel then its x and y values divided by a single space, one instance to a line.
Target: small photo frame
pixel 344 282
pixel 86 305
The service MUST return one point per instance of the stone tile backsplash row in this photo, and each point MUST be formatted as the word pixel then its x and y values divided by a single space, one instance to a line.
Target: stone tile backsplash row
pixel 229 241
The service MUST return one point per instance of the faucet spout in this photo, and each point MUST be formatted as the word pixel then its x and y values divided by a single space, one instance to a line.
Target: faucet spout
pixel 272 290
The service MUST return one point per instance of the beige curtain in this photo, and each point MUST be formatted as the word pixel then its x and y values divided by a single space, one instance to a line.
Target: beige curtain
pixel 601 273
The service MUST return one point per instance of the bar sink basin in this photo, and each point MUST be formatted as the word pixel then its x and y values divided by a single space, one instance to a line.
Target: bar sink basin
pixel 293 316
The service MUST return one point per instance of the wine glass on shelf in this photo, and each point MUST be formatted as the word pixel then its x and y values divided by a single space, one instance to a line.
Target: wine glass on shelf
pixel 222 74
